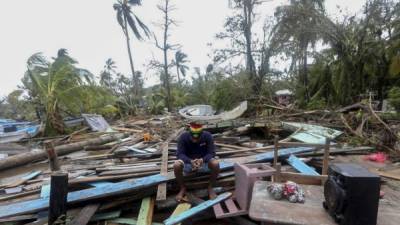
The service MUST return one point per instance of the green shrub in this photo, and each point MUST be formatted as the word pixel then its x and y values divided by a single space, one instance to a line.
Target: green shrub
pixel 394 98
pixel 319 103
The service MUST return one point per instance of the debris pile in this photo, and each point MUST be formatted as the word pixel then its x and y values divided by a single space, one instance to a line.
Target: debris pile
pixel 123 173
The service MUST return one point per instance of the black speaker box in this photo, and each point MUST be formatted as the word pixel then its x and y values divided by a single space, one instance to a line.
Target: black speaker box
pixel 352 194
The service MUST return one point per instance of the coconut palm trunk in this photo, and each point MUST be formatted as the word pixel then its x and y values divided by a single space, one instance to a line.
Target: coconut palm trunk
pixel 128 45
pixel 178 75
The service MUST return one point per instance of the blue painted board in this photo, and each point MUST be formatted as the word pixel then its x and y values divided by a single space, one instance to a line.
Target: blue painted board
pixel 36 205
pixel 301 166
pixel 197 209
pixel 45 191
pixel 87 194
pixel 100 183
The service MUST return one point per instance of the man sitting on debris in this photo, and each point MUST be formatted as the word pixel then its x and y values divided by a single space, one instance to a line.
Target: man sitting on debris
pixel 196 152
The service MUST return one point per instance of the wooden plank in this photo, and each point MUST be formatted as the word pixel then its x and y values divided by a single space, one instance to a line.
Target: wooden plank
pixel 162 188
pixel 301 166
pixel 218 210
pixel 275 151
pixel 326 158
pixel 22 194
pixel 264 208
pixel 24 179
pixel 36 205
pixel 302 178
pixel 18 218
pixel 85 215
pixel 197 209
pixel 145 216
pixel 388 174
pixel 182 207
pixel 231 206
pixel 128 221
pixel 106 216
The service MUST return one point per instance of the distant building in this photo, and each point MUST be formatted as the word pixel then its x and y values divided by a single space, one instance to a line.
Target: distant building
pixel 284 97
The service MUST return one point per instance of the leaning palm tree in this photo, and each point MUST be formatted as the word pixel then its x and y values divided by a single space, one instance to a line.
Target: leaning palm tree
pixel 127 19
pixel 53 82
pixel 180 61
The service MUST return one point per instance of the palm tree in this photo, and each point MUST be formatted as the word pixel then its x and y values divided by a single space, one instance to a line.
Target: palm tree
pixel 106 74
pixel 127 19
pixel 53 82
pixel 180 60
pixel 291 27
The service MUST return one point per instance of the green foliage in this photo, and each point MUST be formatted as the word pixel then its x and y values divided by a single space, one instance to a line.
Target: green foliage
pixel 361 54
pixel 156 101
pixel 180 96
pixel 18 107
pixel 316 104
pixel 229 92
pixel 395 66
pixel 394 98
pixel 108 111
pixel 59 88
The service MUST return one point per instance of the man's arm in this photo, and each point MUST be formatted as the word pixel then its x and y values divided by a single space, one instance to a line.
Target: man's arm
pixel 181 151
pixel 210 149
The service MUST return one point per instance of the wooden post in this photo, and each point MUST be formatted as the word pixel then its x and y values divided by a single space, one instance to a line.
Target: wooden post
pixel 275 151
pixel 58 197
pixel 52 155
pixel 326 157
pixel 277 176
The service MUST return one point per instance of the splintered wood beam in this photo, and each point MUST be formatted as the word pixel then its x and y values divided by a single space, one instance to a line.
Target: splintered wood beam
pixel 276 146
pixel 145 216
pixel 197 209
pixel 85 215
pixel 162 188
pixel 24 179
pixel 326 158
pixel 182 207
pixel 52 155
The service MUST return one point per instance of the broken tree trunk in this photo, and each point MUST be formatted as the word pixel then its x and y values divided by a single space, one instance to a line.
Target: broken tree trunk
pixel 53 158
pixel 24 158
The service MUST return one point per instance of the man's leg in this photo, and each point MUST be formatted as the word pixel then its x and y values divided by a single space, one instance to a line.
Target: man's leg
pixel 178 171
pixel 213 165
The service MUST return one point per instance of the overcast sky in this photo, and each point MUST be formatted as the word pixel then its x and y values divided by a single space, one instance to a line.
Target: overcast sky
pixel 89 31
